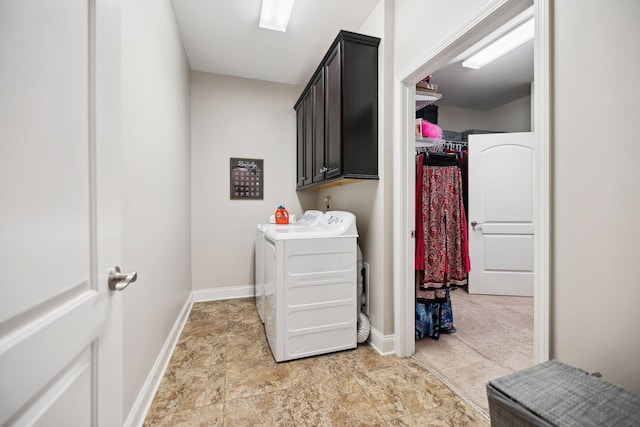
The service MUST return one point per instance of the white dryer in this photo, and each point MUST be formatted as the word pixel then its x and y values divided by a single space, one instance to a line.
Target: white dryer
pixel 309 218
pixel 311 287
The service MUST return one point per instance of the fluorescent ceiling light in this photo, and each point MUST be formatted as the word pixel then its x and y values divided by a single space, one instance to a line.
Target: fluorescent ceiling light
pixel 504 44
pixel 275 14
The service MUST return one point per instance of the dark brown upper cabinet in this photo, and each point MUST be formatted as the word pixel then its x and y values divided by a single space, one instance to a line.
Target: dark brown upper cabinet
pixel 337 116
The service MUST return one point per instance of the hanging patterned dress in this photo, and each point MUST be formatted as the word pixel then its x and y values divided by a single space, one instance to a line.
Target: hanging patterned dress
pixel 441 255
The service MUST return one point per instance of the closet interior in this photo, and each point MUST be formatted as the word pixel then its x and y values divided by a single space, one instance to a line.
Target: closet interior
pixel 459 336
pixel 442 248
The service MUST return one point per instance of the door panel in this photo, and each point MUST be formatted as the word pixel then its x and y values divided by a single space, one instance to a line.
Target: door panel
pixel 508 183
pixel 501 168
pixel 59 224
pixel 508 253
pixel 45 206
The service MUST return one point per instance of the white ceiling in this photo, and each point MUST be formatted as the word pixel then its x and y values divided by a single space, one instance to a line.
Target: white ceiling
pixel 502 81
pixel 223 37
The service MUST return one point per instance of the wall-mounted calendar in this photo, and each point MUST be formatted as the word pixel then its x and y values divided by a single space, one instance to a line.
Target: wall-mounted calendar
pixel 246 178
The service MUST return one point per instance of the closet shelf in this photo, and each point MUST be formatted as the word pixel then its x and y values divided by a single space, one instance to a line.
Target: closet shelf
pixel 423 142
pixel 428 142
pixel 424 98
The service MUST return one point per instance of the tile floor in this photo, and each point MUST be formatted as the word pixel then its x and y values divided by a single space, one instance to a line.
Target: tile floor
pixel 222 373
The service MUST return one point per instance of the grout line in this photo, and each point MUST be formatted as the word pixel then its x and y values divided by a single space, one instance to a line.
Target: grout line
pixel 453 388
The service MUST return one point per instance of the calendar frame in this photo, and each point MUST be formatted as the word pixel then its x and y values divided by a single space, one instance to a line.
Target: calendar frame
pixel 243 170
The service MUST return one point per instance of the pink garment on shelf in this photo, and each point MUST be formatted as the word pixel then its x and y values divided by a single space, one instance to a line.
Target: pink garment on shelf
pixel 431 130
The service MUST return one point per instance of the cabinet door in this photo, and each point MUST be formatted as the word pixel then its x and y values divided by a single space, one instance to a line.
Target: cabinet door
pixel 317 88
pixel 300 144
pixel 333 127
pixel 307 101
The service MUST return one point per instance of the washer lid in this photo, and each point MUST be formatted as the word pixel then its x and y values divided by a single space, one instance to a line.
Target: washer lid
pixel 333 224
pixel 310 217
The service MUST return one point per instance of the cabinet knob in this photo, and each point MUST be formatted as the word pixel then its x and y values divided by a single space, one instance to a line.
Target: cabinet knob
pixel 324 169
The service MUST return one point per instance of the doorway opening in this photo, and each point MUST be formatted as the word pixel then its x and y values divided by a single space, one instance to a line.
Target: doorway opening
pixel 404 291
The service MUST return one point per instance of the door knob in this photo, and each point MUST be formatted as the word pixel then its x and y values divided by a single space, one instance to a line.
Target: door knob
pixel 118 281
pixel 473 224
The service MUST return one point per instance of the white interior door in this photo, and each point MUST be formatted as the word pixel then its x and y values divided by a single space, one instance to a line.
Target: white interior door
pixel 501 229
pixel 60 232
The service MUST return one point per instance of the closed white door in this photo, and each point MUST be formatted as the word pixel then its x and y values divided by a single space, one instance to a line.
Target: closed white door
pixel 60 232
pixel 501 229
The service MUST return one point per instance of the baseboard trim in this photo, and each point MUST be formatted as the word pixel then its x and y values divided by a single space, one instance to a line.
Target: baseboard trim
pixel 145 397
pixel 383 344
pixel 229 292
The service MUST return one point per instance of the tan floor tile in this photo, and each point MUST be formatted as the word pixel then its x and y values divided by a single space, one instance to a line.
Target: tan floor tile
pixel 452 412
pixel 222 373
pixel 190 388
pixel 204 328
pixel 247 347
pixel 197 351
pixel 351 405
pixel 210 307
pixel 244 308
pixel 202 416
pixel 303 405
pixel 259 410
pixel 245 326
pixel 398 392
pixel 248 377
pixel 365 358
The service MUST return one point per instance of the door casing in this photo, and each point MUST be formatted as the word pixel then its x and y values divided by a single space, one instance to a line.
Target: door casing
pixel 486 21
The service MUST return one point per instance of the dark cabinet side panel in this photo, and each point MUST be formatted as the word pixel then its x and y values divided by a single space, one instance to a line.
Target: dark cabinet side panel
pixel 317 88
pixel 360 109
pixel 308 137
pixel 300 144
pixel 333 127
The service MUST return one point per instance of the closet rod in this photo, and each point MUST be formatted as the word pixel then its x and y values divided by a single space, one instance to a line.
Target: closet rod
pixel 438 144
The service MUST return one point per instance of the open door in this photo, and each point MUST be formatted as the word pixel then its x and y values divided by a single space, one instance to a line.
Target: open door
pixel 501 228
pixel 60 230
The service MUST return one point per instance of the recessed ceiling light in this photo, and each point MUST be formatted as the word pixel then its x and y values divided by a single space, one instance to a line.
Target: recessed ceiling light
pixel 275 14
pixel 504 44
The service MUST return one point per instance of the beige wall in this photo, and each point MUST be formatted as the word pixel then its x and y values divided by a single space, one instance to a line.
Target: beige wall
pixel 237 117
pixel 594 198
pixel 596 232
pixel 423 24
pixel 595 235
pixel 512 117
pixel 371 201
pixel 156 184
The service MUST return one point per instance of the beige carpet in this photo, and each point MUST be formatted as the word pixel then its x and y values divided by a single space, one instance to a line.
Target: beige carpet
pixel 494 338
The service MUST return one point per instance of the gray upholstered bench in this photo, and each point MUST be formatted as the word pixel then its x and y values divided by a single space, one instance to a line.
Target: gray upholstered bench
pixel 555 394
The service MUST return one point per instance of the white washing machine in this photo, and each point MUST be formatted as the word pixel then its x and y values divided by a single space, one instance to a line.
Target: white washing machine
pixel 309 218
pixel 310 287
